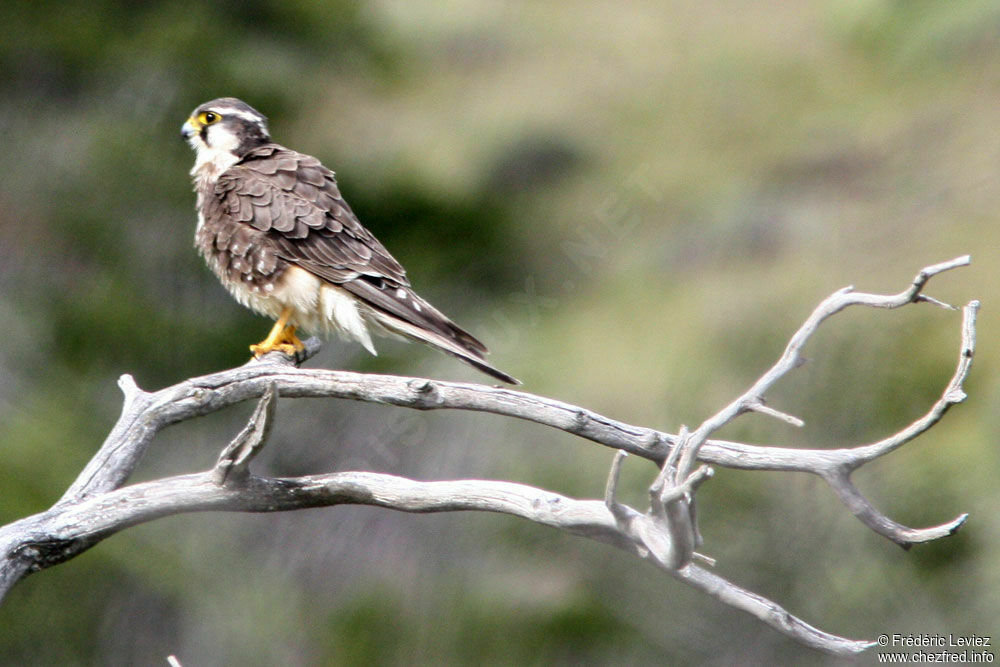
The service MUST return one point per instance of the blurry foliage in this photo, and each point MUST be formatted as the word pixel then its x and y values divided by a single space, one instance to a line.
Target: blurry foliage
pixel 556 634
pixel 64 49
pixel 921 33
pixel 633 205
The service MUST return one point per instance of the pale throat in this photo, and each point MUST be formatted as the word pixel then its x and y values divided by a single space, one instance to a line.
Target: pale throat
pixel 211 162
pixel 213 156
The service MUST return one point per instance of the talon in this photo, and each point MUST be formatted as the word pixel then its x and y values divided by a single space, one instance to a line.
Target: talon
pixel 285 342
pixel 288 349
pixel 281 338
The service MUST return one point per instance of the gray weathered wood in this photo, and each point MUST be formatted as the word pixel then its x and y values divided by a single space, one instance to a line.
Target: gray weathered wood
pixel 98 503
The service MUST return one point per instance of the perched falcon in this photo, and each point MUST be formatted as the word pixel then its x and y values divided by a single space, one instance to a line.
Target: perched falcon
pixel 275 230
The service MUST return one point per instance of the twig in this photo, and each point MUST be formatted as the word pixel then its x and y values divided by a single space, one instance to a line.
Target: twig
pixel 611 487
pixel 234 460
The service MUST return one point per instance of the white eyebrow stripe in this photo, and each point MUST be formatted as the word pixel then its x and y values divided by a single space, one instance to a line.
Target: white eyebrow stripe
pixel 240 113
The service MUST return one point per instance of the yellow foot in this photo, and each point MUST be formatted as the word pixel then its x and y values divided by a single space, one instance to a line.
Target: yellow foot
pixel 283 340
pixel 285 348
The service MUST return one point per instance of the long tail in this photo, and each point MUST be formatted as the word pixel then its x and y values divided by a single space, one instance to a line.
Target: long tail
pixel 398 309
pixel 459 344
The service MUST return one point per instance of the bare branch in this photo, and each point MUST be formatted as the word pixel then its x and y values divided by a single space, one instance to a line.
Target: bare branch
pixel 792 356
pixel 612 486
pixel 145 414
pixel 768 612
pixel 96 505
pixel 760 408
pixel 234 461
pixel 840 482
pixel 953 394
pixel 73 528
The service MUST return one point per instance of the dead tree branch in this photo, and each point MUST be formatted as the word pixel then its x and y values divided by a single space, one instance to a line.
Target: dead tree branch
pixel 99 504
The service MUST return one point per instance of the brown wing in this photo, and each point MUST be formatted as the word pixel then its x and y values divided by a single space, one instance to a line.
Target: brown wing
pixel 295 200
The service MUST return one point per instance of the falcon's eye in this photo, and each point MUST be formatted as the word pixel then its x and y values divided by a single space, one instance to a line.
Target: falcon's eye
pixel 208 117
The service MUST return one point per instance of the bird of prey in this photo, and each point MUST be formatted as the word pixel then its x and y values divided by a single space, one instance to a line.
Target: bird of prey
pixel 275 230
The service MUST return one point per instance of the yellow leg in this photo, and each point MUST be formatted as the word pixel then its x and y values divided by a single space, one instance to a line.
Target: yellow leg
pixel 282 338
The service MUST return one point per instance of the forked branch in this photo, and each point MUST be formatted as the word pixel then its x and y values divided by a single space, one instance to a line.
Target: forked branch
pixel 98 504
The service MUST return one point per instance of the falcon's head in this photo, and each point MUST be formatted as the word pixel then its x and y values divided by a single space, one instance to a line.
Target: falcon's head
pixel 223 131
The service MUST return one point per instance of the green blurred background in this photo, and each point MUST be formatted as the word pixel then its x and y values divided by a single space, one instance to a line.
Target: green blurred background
pixel 633 204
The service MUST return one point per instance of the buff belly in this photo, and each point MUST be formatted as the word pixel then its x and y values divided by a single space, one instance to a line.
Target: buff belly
pixel 317 306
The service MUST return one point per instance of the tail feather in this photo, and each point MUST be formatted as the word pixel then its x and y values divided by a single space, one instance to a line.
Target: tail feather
pixel 489 370
pixel 461 346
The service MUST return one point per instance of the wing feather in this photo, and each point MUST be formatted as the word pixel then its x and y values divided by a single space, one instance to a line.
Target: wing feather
pixel 294 198
pixel 295 201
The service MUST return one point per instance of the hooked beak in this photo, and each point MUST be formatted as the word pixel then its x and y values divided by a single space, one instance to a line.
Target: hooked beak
pixel 190 128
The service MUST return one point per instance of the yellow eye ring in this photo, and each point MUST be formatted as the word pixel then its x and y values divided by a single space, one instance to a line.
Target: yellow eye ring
pixel 208 117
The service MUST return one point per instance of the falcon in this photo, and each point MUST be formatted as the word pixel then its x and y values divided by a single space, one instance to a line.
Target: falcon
pixel 275 230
